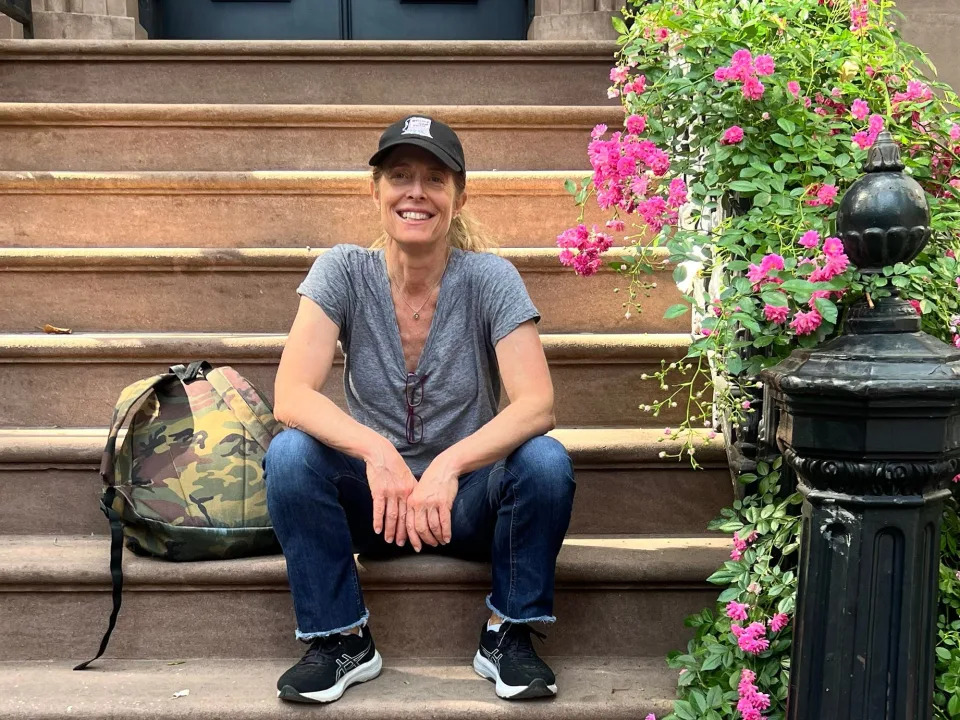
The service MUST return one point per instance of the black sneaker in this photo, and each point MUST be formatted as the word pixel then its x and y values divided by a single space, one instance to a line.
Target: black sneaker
pixel 506 657
pixel 330 666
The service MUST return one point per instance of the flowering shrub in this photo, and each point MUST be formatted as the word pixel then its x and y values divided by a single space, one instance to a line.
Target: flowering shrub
pixel 744 123
pixel 736 665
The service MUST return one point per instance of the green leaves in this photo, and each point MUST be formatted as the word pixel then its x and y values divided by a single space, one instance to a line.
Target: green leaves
pixel 675 311
pixel 788 126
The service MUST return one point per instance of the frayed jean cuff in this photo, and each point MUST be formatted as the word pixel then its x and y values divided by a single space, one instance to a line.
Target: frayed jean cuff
pixel 307 637
pixel 507 618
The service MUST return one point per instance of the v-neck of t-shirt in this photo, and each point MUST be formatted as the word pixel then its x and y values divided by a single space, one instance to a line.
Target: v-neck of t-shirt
pixel 397 341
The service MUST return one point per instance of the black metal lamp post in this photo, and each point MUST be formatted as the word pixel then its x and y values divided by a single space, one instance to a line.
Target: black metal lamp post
pixel 870 421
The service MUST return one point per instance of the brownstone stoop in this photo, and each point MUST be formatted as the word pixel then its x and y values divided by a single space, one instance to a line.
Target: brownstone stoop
pixel 162 200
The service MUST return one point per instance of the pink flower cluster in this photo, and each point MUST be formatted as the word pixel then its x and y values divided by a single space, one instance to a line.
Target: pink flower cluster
pixel 588 248
pixel 747 69
pixel 818 195
pixel 752 638
pixel 623 169
pixel 835 261
pixel 859 15
pixel 759 274
pixel 733 135
pixel 916 92
pixel 805 323
pixel 866 138
pixel 752 702
pixel 737 611
pixel 739 545
pixel 620 76
pixel 859 109
pixel 778 622
pixel 776 313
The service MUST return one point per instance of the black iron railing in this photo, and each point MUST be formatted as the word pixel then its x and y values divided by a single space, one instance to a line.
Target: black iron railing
pixel 21 11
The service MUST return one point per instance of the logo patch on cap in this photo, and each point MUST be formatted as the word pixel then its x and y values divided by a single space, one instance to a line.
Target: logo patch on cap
pixel 417 126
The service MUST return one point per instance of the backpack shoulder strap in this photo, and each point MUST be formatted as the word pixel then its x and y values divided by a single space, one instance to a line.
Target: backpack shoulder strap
pixel 131 396
pixel 116 568
pixel 233 399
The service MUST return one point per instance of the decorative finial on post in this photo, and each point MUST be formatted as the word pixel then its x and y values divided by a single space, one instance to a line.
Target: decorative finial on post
pixel 870 421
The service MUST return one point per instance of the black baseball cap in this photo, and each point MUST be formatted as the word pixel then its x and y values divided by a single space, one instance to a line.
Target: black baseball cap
pixel 427 133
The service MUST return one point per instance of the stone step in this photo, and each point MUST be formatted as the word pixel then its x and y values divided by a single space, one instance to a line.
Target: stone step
pixel 614 597
pixel 307 72
pixel 74 380
pixel 623 487
pixel 254 290
pixel 257 209
pixel 93 136
pixel 607 688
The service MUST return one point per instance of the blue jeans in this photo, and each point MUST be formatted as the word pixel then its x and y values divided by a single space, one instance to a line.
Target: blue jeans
pixel 512 513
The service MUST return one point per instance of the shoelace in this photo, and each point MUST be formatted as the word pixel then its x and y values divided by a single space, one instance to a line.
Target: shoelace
pixel 517 638
pixel 320 649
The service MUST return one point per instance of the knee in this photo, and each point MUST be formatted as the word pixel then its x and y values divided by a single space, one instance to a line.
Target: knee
pixel 288 465
pixel 543 464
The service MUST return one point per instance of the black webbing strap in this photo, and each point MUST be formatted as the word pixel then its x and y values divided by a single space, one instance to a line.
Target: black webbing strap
pixel 116 568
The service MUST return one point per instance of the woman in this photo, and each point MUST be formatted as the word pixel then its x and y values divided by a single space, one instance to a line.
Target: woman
pixel 423 461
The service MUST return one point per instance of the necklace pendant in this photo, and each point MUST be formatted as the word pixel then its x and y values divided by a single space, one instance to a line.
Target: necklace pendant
pixel 416 316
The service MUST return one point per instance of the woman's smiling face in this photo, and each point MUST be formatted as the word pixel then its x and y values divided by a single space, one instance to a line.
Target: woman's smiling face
pixel 417 196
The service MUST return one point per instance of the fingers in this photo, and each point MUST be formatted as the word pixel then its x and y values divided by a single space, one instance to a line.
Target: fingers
pixel 401 538
pixel 379 505
pixel 422 526
pixel 446 526
pixel 412 535
pixel 433 520
pixel 390 528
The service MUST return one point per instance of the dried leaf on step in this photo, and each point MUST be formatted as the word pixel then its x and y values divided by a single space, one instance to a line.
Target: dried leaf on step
pixel 56 330
pixel 177 662
pixel 181 693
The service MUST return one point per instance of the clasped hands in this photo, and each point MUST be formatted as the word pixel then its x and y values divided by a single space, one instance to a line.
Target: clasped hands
pixel 405 509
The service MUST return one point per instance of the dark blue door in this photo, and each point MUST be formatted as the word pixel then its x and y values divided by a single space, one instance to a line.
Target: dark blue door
pixel 336 19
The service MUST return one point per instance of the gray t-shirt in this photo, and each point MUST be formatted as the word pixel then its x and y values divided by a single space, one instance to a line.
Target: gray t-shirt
pixel 482 299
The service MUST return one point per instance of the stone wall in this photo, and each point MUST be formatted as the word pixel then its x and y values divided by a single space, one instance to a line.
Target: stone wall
pixel 80 20
pixel 932 25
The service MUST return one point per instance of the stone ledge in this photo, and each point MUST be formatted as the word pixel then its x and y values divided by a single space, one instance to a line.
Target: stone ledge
pixel 401 51
pixel 612 688
pixel 634 562
pixel 588 447
pixel 553 117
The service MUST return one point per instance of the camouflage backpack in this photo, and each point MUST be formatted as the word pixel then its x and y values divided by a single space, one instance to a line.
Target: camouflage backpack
pixel 187 483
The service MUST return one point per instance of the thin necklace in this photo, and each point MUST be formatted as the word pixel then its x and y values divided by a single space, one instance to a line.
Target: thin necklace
pixel 403 295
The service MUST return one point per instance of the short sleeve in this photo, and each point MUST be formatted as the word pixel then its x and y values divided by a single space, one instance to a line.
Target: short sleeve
pixel 505 301
pixel 328 285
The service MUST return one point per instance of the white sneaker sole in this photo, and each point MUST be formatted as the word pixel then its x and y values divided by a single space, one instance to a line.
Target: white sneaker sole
pixel 368 671
pixel 538 688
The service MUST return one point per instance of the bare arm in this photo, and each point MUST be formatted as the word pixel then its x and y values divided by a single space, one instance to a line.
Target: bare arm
pixel 298 403
pixel 526 378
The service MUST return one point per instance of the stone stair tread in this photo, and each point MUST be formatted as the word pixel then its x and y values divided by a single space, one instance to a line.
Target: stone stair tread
pixel 441 689
pixel 481 50
pixel 256 209
pixel 140 345
pixel 463 117
pixel 486 182
pixel 53 561
pixel 607 446
pixel 542 259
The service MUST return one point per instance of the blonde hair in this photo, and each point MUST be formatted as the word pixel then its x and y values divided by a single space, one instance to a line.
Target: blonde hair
pixel 465 232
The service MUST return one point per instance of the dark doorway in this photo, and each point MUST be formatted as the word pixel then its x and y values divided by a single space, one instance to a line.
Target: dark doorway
pixel 336 19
